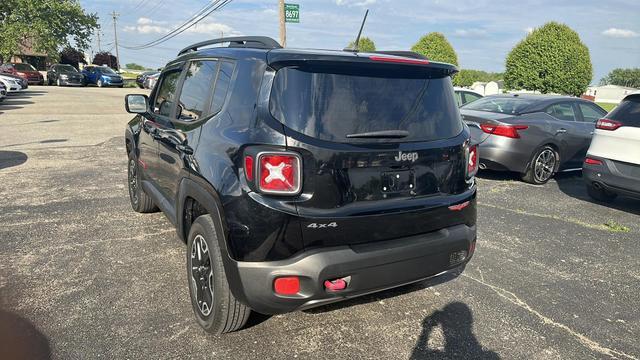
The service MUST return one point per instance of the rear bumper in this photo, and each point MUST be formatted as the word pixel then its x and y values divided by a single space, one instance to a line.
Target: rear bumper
pixel 616 177
pixel 505 154
pixel 371 267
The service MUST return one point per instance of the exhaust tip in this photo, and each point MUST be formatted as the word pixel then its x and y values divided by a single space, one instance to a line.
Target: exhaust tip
pixel 482 166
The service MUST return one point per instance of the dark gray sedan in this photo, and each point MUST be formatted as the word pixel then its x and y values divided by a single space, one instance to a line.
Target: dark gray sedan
pixel 534 135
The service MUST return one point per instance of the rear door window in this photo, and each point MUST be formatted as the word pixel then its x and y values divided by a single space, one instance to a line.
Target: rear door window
pixel 591 113
pixel 195 91
pixel 562 111
pixel 330 106
pixel 222 86
pixel 628 112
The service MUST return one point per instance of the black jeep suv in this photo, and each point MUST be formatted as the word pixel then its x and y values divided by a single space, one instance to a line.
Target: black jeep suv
pixel 299 178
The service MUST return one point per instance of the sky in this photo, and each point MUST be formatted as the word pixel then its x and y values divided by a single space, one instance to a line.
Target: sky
pixel 481 31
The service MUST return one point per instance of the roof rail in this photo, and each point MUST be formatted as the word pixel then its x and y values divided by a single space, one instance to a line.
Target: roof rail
pixel 409 54
pixel 256 42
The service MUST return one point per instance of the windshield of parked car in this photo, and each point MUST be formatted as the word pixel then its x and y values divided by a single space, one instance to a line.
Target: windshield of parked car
pixel 66 68
pixel 106 70
pixel 330 106
pixel 503 105
pixel 24 67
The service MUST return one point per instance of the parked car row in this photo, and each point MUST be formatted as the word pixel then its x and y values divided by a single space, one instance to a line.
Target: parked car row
pixel 65 75
pixel 148 79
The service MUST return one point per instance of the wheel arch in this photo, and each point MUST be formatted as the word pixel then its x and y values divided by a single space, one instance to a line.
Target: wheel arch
pixel 198 191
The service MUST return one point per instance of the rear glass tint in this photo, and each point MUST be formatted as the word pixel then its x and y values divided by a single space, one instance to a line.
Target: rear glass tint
pixel 628 112
pixel 502 105
pixel 331 106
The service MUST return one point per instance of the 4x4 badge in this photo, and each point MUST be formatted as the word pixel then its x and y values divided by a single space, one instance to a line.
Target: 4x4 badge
pixel 407 156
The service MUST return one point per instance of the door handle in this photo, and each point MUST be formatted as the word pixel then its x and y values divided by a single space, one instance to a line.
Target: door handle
pixel 561 131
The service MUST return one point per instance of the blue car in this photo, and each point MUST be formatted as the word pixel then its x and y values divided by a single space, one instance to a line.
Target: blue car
pixel 101 76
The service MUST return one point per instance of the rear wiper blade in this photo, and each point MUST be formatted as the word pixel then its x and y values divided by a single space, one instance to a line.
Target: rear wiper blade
pixel 383 134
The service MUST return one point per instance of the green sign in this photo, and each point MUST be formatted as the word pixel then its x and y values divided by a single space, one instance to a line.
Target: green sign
pixel 292 13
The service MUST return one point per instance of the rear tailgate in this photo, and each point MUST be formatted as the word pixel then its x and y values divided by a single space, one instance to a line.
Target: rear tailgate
pixel 362 189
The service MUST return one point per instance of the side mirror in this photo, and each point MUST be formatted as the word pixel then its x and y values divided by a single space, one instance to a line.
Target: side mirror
pixel 136 103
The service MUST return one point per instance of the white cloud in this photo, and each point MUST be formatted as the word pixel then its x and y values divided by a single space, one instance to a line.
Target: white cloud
pixel 470 33
pixel 149 26
pixel 212 28
pixel 355 2
pixel 620 33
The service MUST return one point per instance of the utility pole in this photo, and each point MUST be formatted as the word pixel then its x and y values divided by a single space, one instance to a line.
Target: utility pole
pixel 98 33
pixel 283 26
pixel 115 37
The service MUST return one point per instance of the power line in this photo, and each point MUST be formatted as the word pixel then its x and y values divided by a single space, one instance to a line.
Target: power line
pixel 187 24
pixel 193 20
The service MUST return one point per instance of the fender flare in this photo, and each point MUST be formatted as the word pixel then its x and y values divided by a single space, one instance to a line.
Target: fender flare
pixel 203 192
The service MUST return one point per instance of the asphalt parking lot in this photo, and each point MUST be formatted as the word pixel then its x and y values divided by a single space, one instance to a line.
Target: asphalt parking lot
pixel 555 275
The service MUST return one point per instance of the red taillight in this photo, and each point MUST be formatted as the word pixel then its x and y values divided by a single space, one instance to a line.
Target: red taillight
pixel 399 60
pixel 248 167
pixel 510 131
pixel 606 124
pixel 289 285
pixel 592 161
pixel 280 173
pixel 472 161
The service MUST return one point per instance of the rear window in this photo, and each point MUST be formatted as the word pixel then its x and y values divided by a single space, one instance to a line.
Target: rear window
pixel 502 105
pixel 330 106
pixel 628 112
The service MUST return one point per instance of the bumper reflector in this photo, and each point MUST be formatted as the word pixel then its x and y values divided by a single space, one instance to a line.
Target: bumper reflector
pixel 289 285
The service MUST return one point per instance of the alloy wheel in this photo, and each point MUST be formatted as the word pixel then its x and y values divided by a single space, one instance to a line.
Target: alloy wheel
pixel 544 165
pixel 201 275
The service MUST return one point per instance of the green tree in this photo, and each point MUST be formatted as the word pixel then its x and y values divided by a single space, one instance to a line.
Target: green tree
pixel 623 77
pixel 134 66
pixel 551 59
pixel 436 47
pixel 45 25
pixel 364 45
pixel 466 77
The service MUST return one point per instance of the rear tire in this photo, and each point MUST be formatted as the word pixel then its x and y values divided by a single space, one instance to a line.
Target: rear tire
pixel 542 166
pixel 99 83
pixel 215 307
pixel 140 201
pixel 601 195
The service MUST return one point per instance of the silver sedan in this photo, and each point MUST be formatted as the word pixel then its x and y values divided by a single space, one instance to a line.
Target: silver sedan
pixel 534 135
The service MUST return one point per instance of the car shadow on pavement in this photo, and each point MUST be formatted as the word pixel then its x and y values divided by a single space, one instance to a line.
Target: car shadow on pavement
pixel 448 334
pixel 20 339
pixel 572 184
pixel 12 158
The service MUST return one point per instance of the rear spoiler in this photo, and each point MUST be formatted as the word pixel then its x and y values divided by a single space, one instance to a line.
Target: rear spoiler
pixel 325 60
